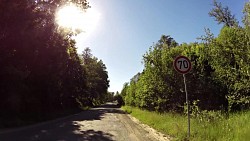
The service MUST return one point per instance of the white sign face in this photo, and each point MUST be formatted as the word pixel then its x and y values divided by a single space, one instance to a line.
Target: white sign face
pixel 182 64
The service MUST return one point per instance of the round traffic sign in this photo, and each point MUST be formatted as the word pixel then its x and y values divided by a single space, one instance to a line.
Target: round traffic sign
pixel 182 64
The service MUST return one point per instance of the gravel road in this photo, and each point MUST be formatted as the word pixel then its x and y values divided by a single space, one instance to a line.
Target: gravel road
pixel 105 123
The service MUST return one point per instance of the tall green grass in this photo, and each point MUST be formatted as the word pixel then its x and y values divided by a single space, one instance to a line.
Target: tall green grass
pixel 234 128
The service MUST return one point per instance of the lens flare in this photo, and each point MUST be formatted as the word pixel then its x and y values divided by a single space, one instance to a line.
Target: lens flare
pixel 75 18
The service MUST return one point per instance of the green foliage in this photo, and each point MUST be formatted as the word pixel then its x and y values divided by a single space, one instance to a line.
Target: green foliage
pixel 97 78
pixel 109 97
pixel 159 87
pixel 246 18
pixel 230 60
pixel 119 99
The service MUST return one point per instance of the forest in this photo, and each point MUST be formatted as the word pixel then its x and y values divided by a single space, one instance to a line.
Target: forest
pixel 41 73
pixel 218 81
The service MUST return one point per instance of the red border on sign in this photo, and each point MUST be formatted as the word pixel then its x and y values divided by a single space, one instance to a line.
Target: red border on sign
pixel 176 68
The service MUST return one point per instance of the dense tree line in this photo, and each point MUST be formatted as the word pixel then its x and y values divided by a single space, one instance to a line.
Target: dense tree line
pixel 219 79
pixel 40 70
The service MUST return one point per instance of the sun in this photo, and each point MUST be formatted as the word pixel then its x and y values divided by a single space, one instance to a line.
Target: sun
pixel 75 18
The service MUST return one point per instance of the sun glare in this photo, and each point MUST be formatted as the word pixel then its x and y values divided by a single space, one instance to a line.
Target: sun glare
pixel 71 16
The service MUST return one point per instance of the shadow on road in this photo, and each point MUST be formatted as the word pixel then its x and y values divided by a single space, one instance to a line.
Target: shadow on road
pixel 65 129
pixel 98 112
pixel 91 135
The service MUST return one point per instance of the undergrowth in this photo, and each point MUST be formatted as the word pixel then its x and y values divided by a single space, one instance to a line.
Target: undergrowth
pixel 205 125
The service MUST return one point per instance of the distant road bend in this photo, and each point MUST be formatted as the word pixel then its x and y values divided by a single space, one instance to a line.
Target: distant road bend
pixel 105 123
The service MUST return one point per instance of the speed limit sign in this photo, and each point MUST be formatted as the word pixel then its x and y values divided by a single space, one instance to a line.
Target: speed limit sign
pixel 182 64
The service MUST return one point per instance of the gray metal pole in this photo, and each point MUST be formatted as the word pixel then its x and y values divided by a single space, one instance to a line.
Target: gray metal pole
pixel 187 101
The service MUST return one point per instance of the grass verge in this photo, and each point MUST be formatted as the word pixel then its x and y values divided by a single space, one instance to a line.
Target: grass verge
pixel 234 128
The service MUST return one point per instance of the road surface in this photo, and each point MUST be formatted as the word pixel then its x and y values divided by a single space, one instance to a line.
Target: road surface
pixel 106 123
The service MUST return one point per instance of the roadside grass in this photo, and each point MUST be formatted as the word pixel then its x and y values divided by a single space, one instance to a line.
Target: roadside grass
pixel 234 128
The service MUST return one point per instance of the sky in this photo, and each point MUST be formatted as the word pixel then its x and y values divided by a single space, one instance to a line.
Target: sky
pixel 127 28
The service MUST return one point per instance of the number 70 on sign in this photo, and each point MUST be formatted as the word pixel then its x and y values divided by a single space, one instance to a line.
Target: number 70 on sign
pixel 182 64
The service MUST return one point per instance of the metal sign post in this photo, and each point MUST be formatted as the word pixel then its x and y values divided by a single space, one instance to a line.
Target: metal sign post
pixel 187 101
pixel 183 65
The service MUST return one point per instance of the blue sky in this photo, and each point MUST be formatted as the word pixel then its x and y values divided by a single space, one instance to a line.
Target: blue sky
pixel 127 28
